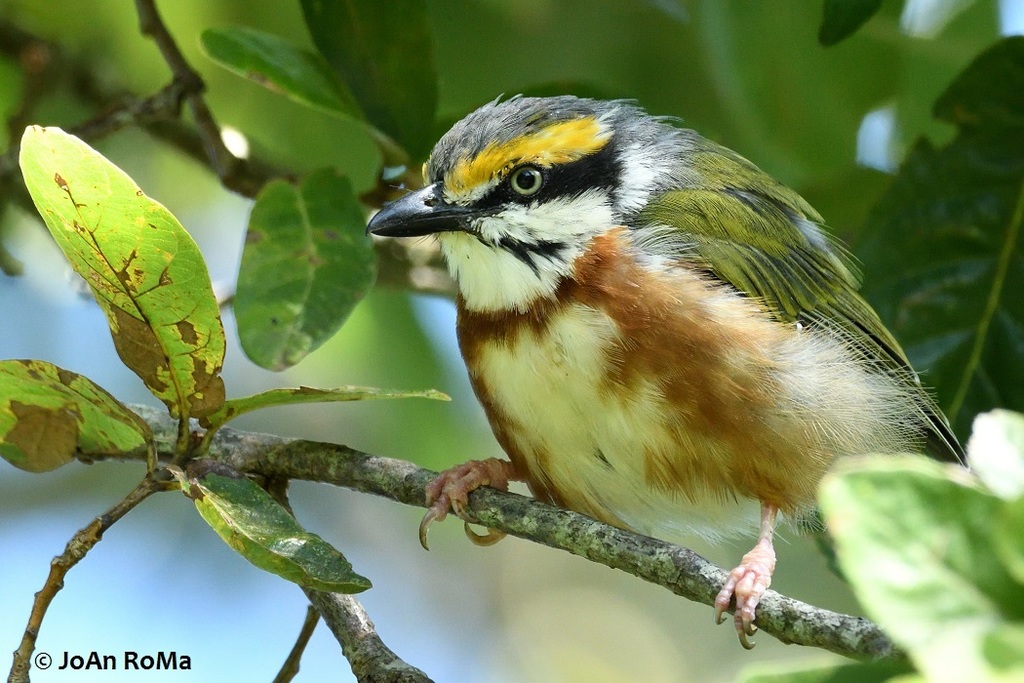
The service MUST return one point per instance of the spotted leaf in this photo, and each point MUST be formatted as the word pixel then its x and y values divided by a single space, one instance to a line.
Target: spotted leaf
pixel 47 414
pixel 144 269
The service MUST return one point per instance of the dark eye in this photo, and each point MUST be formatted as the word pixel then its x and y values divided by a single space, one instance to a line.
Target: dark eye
pixel 526 180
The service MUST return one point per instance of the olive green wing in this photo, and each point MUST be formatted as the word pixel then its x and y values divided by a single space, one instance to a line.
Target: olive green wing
pixel 763 239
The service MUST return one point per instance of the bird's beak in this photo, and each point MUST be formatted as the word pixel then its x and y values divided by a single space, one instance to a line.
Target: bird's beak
pixel 423 212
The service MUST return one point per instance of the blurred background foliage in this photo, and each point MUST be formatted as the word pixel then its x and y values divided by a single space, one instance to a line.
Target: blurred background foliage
pixel 834 123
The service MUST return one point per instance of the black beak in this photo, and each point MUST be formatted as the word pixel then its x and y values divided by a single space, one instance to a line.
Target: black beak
pixel 423 212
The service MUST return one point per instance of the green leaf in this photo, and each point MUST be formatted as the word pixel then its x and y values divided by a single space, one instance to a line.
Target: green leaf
pixel 673 9
pixel 841 18
pixel 1009 538
pixel 943 246
pixel 1004 650
pixel 281 66
pixel 47 414
pixel 306 263
pixel 915 539
pixel 995 452
pixel 802 672
pixel 144 269
pixel 383 51
pixel 256 527
pixel 989 93
pixel 281 397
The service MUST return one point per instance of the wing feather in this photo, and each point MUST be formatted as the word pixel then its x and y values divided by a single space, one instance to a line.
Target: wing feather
pixel 764 240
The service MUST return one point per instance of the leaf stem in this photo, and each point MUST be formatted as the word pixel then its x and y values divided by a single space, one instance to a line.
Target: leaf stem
pixel 184 441
pixel 995 294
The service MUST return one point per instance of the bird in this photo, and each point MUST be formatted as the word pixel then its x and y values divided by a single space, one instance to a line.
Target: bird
pixel 662 336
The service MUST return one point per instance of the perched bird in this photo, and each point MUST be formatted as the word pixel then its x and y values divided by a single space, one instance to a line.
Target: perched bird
pixel 663 337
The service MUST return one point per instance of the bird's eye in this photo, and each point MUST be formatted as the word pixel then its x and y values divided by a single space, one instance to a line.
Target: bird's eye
pixel 526 180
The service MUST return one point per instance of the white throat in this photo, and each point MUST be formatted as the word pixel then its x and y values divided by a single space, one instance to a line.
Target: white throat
pixel 493 278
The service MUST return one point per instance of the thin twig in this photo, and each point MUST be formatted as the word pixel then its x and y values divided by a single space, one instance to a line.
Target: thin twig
pixel 370 658
pixel 290 668
pixel 77 548
pixel 415 267
pixel 679 570
pixel 152 25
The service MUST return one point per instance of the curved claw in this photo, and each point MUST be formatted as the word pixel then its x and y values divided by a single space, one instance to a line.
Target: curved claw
pixel 490 538
pixel 744 629
pixel 745 641
pixel 433 515
pixel 450 490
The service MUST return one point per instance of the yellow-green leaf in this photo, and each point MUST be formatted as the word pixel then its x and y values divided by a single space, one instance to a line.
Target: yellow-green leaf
pixel 916 540
pixel 833 672
pixel 280 397
pixel 144 269
pixel 263 532
pixel 47 414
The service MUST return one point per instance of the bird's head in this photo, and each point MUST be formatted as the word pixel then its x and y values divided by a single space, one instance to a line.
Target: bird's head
pixel 516 191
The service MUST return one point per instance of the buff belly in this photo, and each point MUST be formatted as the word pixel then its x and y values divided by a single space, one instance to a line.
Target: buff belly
pixel 583 444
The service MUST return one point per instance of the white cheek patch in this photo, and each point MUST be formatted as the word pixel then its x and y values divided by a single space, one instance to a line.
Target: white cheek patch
pixel 493 277
pixel 563 219
pixel 641 168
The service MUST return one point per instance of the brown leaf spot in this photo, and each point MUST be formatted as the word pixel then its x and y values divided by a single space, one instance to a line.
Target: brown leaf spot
pixel 253 236
pixel 32 370
pixel 124 276
pixel 140 350
pixel 330 235
pixel 193 491
pixel 66 377
pixel 46 437
pixel 61 183
pixel 198 469
pixel 187 332
pixel 257 77
pixel 210 397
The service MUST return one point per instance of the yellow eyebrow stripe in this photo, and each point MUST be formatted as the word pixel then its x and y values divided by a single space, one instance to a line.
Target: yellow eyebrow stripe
pixel 558 143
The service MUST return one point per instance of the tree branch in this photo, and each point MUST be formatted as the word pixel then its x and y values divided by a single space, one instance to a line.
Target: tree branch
pixel 77 548
pixel 680 570
pixel 370 658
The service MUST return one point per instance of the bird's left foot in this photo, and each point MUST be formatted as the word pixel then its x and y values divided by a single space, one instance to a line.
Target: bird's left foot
pixel 450 490
pixel 747 583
